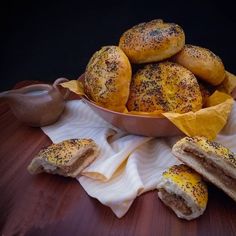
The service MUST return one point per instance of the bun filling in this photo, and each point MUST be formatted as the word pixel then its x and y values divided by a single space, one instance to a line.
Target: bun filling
pixel 78 162
pixel 212 168
pixel 175 202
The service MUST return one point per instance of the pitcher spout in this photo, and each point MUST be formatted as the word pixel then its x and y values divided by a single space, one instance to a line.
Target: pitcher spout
pixel 4 95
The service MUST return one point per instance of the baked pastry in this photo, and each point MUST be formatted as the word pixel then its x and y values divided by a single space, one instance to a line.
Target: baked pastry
pixel 182 189
pixel 164 87
pixel 212 160
pixel 229 84
pixel 107 78
pixel 152 41
pixel 202 62
pixel 205 92
pixel 67 158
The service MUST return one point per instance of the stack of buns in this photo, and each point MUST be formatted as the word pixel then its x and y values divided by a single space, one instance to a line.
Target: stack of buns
pixel 169 77
pixel 172 77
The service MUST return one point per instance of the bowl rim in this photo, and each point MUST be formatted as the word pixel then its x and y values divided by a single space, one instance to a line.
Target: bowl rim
pixel 120 113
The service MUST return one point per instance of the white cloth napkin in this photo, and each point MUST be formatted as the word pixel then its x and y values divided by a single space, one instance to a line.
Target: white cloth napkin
pixel 128 165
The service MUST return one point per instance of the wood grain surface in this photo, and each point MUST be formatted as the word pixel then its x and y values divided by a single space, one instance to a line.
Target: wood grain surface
pixel 53 205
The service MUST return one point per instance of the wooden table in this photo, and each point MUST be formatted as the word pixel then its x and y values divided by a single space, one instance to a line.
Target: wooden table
pixel 52 205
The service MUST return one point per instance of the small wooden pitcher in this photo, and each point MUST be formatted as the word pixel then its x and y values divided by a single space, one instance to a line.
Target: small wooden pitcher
pixel 37 105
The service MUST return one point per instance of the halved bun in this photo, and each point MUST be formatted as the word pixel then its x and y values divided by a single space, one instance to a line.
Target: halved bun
pixel 182 189
pixel 67 158
pixel 212 160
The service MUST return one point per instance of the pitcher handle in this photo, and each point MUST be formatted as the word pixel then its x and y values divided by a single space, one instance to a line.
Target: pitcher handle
pixel 57 82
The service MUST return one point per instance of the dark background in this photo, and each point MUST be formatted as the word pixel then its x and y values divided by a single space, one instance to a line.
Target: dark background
pixel 44 41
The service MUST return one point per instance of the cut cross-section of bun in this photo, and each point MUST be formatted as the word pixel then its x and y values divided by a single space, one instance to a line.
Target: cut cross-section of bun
pixel 212 160
pixel 67 158
pixel 182 189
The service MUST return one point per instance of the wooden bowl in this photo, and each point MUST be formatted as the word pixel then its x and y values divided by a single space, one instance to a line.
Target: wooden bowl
pixel 136 124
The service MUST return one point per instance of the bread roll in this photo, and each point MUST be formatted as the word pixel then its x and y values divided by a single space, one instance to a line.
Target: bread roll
pixel 164 87
pixel 182 189
pixel 212 160
pixel 202 62
pixel 152 41
pixel 67 158
pixel 107 78
pixel 205 92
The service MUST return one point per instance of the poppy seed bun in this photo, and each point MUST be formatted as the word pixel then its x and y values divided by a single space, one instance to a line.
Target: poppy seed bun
pixel 212 160
pixel 182 189
pixel 164 87
pixel 67 158
pixel 202 62
pixel 152 41
pixel 205 92
pixel 107 78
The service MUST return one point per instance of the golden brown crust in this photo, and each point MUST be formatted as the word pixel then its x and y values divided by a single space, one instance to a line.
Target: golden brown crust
pixel 212 160
pixel 164 87
pixel 62 153
pixel 107 78
pixel 229 84
pixel 202 62
pixel 208 146
pixel 183 190
pixel 205 92
pixel 152 41
pixel 189 182
pixel 67 158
